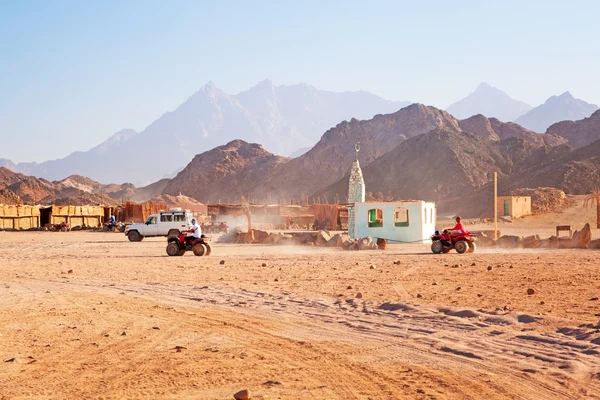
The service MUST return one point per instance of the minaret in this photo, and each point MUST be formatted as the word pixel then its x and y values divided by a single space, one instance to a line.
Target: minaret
pixel 356 192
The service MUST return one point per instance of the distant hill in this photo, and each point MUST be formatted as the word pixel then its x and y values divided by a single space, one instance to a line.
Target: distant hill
pixel 557 108
pixel 330 158
pixel 74 190
pixel 225 173
pixel 493 129
pixel 576 171
pixel 104 160
pixel 441 165
pixel 281 118
pixel 491 102
pixel 578 133
pixel 4 163
pixel 8 177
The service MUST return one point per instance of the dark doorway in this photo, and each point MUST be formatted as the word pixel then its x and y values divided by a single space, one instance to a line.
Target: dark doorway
pixel 45 214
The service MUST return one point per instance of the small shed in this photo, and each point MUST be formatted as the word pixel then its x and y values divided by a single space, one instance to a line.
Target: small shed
pixel 19 217
pixel 90 216
pixel 514 206
pixel 410 221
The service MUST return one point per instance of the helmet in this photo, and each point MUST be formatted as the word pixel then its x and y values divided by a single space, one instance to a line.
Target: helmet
pixel 458 218
pixel 193 220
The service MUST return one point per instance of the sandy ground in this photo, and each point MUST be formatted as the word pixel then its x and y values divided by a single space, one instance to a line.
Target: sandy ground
pixel 91 315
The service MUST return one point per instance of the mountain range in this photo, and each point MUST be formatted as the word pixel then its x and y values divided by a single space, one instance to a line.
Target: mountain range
pixel 282 118
pixel 417 152
pixel 494 103
pixel 286 120
pixel 557 108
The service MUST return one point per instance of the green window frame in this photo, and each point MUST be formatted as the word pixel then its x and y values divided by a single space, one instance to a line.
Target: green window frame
pixel 375 218
pixel 401 217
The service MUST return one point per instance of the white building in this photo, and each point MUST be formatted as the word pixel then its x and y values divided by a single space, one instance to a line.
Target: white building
pixel 400 221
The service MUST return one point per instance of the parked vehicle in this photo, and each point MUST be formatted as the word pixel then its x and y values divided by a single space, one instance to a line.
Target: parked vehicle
pixel 62 227
pixel 113 227
pixel 178 245
pixel 165 223
pixel 215 228
pixel 447 240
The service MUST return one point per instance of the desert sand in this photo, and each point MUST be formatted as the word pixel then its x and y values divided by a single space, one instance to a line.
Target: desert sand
pixel 91 315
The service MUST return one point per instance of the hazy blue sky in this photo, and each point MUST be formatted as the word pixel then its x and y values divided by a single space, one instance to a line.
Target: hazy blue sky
pixel 74 72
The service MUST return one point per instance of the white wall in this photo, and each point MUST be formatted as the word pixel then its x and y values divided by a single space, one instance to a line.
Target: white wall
pixel 420 227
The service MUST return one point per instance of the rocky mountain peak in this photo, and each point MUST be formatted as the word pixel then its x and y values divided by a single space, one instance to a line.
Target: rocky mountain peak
pixel 566 95
pixel 563 107
pixel 484 87
pixel 489 101
pixel 209 87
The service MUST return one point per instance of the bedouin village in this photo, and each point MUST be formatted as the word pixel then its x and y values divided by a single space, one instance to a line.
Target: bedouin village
pixel 385 271
pixel 408 207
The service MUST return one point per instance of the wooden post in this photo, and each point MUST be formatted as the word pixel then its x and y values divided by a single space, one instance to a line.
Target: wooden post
pixel 495 206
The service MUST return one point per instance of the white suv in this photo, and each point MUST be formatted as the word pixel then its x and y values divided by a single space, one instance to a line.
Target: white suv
pixel 165 223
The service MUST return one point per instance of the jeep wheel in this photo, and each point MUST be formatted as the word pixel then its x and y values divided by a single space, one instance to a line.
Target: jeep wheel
pixel 199 249
pixel 208 249
pixel 461 246
pixel 173 249
pixel 437 247
pixel 173 232
pixel 134 236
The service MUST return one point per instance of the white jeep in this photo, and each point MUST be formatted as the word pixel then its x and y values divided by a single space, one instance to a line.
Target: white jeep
pixel 165 223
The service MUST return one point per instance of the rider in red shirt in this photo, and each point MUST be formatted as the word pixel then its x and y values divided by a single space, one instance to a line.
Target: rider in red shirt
pixel 460 227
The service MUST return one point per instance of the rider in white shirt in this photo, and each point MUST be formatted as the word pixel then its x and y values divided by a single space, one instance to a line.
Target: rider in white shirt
pixel 197 231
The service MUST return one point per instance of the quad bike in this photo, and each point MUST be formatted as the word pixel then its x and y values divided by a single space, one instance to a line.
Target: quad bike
pixel 178 245
pixel 214 228
pixel 113 227
pixel 446 241
pixel 62 227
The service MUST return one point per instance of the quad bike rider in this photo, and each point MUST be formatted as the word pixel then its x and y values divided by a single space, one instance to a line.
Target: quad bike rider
pixel 111 225
pixel 458 238
pixel 197 242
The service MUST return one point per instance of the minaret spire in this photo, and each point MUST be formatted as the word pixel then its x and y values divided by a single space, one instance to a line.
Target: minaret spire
pixel 356 191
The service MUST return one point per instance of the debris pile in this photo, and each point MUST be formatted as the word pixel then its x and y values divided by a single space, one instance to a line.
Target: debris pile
pixel 543 199
pixel 319 238
pixel 581 239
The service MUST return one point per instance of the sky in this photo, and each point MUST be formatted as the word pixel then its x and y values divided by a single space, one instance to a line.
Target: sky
pixel 72 73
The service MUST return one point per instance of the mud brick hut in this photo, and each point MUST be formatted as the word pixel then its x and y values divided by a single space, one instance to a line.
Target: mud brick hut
pixel 19 217
pixel 514 206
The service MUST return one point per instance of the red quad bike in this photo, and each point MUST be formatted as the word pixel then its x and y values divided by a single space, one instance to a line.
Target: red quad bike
pixel 444 242
pixel 62 227
pixel 178 245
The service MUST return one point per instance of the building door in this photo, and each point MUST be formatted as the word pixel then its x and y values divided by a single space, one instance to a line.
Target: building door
pixel 506 208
